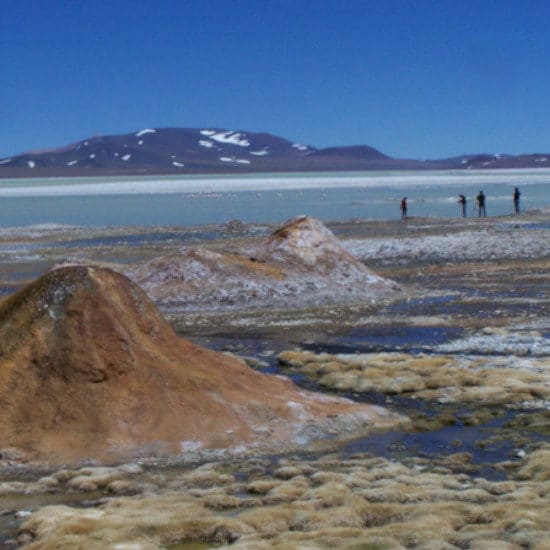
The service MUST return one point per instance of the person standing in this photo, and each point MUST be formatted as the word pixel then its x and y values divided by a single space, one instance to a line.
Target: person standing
pixel 517 195
pixel 462 202
pixel 481 203
pixel 404 208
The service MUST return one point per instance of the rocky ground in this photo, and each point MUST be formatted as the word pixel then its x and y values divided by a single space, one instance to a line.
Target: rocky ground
pixel 463 352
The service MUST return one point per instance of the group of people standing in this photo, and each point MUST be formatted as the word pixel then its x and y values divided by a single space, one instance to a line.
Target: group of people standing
pixel 481 203
pixel 462 201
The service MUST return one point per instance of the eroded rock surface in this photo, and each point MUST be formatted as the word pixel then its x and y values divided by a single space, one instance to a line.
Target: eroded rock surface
pixel 302 263
pixel 88 368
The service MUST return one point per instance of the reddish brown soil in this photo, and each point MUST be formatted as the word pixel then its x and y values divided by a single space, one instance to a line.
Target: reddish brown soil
pixel 88 368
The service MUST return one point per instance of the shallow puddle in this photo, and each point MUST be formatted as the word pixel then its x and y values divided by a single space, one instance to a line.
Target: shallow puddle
pixel 442 442
pixel 15 508
pixel 375 338
pixel 448 428
pixel 175 238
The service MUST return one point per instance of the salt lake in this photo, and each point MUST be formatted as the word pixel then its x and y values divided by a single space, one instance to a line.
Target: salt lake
pixel 272 198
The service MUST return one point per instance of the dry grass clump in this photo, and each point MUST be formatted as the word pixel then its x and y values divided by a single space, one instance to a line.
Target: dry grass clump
pixel 538 422
pixel 115 480
pixel 153 521
pixel 360 502
pixel 268 521
pixel 488 380
pixel 204 476
pixel 261 486
pixel 288 472
pixel 537 467
pixel 287 491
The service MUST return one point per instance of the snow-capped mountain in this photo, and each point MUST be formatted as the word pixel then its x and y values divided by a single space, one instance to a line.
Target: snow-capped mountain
pixel 216 150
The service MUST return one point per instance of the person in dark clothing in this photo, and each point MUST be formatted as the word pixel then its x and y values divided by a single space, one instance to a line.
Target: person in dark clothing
pixel 462 201
pixel 404 208
pixel 517 195
pixel 481 203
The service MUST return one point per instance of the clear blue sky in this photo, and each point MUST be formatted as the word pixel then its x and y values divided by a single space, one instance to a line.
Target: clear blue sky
pixel 420 79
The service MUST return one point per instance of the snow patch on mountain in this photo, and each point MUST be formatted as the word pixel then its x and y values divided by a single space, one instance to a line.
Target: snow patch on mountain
pixel 31 163
pixel 233 159
pixel 5 161
pixel 178 164
pixel 126 157
pixel 261 153
pixel 230 138
pixel 146 131
pixel 206 143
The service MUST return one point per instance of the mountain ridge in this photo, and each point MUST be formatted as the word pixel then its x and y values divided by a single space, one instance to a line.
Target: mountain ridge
pixel 156 151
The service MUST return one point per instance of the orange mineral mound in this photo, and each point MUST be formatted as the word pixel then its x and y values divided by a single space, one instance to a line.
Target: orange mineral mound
pixel 88 368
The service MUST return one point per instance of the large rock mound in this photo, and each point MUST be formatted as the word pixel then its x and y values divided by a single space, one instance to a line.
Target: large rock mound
pixel 88 368
pixel 300 264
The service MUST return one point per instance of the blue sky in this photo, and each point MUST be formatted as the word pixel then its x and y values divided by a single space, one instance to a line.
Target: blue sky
pixel 418 79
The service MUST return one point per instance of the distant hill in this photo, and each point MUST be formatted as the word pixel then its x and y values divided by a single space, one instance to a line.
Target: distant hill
pixel 216 150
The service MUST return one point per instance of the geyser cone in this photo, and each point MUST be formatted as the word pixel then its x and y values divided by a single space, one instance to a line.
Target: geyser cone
pixel 302 264
pixel 308 245
pixel 88 368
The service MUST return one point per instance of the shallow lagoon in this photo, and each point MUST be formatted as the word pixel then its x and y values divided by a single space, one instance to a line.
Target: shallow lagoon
pixel 170 200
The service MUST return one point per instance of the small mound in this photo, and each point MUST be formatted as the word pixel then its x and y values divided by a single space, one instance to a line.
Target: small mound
pixel 305 245
pixel 309 242
pixel 197 276
pixel 300 264
pixel 88 368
